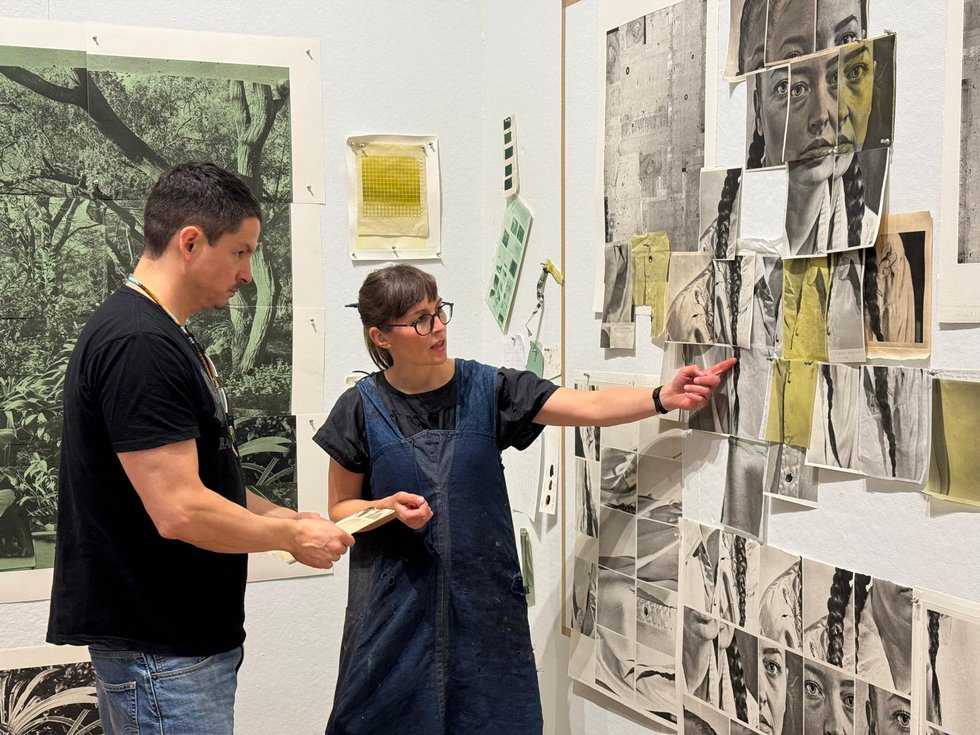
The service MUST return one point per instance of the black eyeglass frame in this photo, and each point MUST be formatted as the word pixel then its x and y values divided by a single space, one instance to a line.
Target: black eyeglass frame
pixel 431 317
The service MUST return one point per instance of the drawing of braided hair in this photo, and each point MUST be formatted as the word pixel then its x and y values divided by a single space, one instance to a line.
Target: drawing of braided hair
pixel 726 204
pixel 741 567
pixel 831 433
pixel 871 306
pixel 881 398
pixel 862 585
pixel 734 287
pixel 739 688
pixel 853 179
pixel 840 596
pixel 934 619
pixel 757 150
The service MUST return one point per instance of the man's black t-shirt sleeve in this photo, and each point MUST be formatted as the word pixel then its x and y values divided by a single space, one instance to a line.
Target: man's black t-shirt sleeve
pixel 147 392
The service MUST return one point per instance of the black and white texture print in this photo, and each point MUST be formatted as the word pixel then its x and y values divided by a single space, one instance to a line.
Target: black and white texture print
pixel 743 508
pixel 952 664
pixel 788 477
pixel 49 699
pixel 894 425
pixel 828 614
pixel 969 214
pixel 618 328
pixel 836 417
pixel 845 325
pixel 654 124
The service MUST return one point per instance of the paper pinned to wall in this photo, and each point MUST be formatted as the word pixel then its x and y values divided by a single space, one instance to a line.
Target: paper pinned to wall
pixel 512 177
pixel 550 470
pixel 514 234
pixel 393 197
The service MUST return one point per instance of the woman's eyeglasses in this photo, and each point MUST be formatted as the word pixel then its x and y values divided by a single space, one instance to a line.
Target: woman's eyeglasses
pixel 425 323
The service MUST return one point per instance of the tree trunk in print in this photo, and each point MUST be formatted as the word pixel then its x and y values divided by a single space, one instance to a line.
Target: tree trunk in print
pixel 257 109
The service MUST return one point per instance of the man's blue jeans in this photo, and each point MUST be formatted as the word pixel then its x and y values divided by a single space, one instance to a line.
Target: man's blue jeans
pixel 144 694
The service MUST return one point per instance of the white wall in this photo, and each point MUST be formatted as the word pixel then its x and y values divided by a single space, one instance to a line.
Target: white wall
pixel 455 69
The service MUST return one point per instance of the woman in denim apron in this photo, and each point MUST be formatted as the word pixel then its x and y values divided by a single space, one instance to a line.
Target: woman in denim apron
pixel 436 639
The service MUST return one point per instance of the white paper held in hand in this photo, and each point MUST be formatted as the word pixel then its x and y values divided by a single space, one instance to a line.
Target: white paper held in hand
pixel 364 520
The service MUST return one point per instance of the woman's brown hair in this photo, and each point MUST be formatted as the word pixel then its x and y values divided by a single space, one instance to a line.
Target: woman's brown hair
pixel 386 295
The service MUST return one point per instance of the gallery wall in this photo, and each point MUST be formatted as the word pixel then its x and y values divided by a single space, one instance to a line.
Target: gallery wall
pixel 455 69
pixel 882 528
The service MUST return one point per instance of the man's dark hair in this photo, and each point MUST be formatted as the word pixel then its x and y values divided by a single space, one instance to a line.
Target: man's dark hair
pixel 195 193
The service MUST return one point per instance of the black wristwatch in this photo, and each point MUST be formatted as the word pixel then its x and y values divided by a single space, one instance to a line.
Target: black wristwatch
pixel 656 400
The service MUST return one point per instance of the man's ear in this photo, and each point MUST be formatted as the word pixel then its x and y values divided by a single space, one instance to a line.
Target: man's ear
pixel 188 239
pixel 379 338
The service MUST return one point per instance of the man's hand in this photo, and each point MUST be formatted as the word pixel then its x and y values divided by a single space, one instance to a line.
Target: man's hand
pixel 691 388
pixel 412 510
pixel 319 543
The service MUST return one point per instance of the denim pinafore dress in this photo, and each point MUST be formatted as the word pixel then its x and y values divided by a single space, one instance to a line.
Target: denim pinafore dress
pixel 436 639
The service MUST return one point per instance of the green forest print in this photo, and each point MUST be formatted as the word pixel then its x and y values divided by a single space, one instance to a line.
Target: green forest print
pixel 82 140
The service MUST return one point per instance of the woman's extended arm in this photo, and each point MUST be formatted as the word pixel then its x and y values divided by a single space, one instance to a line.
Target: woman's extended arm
pixel 689 389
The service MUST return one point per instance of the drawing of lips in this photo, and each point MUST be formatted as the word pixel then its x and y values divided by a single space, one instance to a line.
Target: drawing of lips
pixel 819 147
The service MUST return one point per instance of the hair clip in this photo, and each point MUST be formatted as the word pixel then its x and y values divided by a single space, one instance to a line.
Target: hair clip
pixel 350 306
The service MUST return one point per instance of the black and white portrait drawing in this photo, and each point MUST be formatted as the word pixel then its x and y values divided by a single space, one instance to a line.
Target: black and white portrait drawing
pixel 767 107
pixel 690 298
pixel 586 497
pixel 878 711
pixel 845 327
pixel 585 576
pixel 746 38
pixel 743 507
pixel 767 300
pixel 659 485
pixel 656 676
pixel 617 603
pixel 828 614
pixel 811 127
pixel 618 329
pixel 883 624
pixel 617 540
pixel 830 706
pixel 733 291
pixel 781 600
pixel 898 296
pixel 615 664
pixel 840 22
pixel 790 29
pixel 750 393
pixel 788 477
pixel 738 660
pixel 895 422
pixel 716 416
pixel 654 124
pixel 700 719
pixel 656 618
pixel 719 207
pixel 952 668
pixel 836 418
pixel 699 564
pixel 737 581
pixel 780 690
pixel 657 553
pixel 617 484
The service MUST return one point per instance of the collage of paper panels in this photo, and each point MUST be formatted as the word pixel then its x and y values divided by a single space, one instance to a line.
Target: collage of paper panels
pixel 769 642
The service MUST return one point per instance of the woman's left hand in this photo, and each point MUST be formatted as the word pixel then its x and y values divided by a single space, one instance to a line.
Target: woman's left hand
pixel 691 388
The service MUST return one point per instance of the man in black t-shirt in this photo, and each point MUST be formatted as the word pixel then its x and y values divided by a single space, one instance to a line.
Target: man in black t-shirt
pixel 154 519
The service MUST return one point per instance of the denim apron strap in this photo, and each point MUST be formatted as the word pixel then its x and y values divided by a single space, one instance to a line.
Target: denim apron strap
pixel 436 639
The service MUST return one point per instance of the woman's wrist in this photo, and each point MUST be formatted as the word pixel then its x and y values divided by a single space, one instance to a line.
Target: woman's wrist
pixel 659 402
